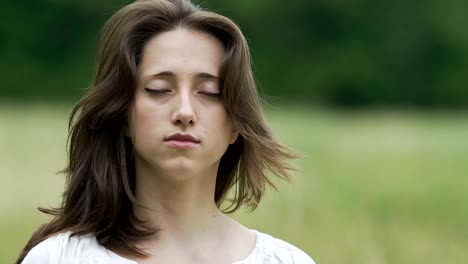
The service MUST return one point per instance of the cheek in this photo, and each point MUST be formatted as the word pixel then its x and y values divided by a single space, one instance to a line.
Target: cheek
pixel 220 123
pixel 144 120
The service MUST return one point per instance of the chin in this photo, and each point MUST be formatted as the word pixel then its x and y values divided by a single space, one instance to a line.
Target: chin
pixel 181 167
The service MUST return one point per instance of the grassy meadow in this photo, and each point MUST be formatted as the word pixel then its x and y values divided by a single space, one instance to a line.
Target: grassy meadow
pixel 372 187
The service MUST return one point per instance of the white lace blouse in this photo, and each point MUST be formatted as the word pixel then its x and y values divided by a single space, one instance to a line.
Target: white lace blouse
pixel 63 249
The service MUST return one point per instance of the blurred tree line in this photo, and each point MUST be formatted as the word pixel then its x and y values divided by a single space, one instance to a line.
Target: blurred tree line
pixel 334 52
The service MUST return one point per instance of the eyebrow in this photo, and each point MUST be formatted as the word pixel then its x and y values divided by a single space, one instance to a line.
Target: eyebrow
pixel 171 74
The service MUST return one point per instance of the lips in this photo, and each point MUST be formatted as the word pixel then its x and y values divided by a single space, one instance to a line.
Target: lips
pixel 181 141
pixel 182 137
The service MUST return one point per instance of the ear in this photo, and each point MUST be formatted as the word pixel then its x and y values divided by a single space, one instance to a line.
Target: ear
pixel 234 136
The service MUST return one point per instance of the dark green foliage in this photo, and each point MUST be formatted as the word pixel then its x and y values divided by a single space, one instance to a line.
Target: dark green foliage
pixel 346 53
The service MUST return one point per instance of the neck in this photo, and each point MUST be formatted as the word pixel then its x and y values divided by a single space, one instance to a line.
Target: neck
pixel 182 206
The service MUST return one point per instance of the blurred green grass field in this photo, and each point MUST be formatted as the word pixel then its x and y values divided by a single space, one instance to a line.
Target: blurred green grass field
pixel 372 187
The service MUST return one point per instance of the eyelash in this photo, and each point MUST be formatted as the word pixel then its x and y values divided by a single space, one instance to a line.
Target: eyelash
pixel 211 94
pixel 162 91
pixel 157 91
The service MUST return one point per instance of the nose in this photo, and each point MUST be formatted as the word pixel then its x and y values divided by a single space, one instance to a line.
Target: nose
pixel 184 113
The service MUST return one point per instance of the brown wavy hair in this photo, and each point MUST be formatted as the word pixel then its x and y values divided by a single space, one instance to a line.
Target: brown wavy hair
pixel 100 189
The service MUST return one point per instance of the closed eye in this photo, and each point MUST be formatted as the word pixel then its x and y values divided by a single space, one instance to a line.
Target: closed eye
pixel 210 94
pixel 157 91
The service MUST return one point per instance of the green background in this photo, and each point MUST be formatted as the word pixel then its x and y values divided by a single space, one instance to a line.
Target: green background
pixel 373 187
pixel 332 52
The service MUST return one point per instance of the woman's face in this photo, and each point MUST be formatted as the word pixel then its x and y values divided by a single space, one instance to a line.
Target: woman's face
pixel 177 121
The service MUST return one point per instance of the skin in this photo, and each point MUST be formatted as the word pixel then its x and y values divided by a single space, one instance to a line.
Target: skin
pixel 177 185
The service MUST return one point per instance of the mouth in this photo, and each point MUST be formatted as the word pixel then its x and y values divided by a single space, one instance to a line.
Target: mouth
pixel 180 140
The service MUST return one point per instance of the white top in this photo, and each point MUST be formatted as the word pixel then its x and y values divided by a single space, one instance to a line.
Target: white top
pixel 61 249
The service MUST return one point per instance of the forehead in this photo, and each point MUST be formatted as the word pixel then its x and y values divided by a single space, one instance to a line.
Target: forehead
pixel 182 51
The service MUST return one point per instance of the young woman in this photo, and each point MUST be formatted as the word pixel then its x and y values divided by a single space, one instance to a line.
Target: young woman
pixel 171 124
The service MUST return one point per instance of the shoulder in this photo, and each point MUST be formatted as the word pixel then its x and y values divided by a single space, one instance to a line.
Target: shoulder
pixel 276 251
pixel 64 248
